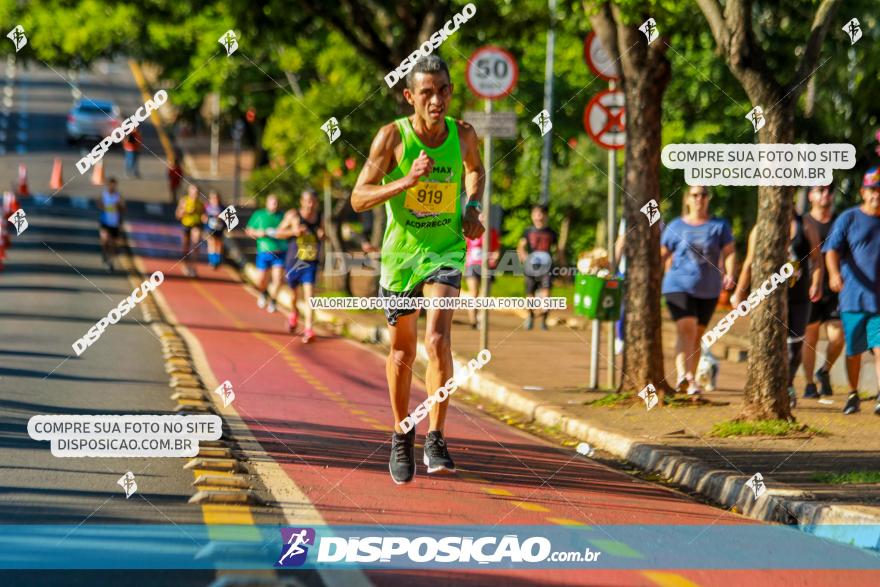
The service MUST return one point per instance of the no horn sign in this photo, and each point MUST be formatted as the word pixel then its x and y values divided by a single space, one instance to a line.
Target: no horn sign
pixel 605 119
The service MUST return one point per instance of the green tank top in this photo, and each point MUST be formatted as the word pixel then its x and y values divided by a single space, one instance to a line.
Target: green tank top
pixel 423 232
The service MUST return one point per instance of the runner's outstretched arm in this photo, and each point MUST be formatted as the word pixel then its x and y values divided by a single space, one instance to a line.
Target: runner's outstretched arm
pixel 368 191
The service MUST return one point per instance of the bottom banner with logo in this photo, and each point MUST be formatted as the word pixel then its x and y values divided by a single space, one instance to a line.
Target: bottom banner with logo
pixel 147 546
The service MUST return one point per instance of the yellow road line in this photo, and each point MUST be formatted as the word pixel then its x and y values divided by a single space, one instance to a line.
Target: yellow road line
pixel 496 491
pixel 568 522
pixel 669 579
pixel 528 506
pixel 157 122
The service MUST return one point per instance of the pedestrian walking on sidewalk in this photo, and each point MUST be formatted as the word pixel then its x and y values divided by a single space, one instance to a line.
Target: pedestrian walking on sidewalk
pixel 536 251
pixel 262 226
pixel 112 209
pixel 132 146
pixel 693 249
pixel 804 288
pixel 826 310
pixel 305 231
pixel 191 214
pixel 214 229
pixel 852 257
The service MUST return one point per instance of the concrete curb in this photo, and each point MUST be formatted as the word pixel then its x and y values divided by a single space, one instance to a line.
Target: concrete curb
pixel 780 503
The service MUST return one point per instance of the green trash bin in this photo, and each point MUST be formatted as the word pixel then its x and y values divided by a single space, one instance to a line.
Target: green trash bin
pixel 598 298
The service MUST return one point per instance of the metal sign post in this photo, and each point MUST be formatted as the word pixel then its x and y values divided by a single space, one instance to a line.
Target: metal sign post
pixel 491 74
pixel 604 121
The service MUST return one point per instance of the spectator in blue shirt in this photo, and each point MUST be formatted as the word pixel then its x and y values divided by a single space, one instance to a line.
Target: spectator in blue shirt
pixel 693 248
pixel 852 257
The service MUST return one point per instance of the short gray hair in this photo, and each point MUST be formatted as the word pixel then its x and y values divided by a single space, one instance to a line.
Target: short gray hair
pixel 431 64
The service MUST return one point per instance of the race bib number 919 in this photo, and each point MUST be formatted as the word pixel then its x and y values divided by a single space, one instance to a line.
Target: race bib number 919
pixel 429 197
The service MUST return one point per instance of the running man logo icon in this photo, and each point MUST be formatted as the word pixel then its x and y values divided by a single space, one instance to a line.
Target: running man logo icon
pixel 331 127
pixel 651 211
pixel 543 121
pixel 756 117
pixel 756 484
pixel 224 390
pixel 19 221
pixel 128 483
pixel 230 217
pixel 229 42
pixel 854 30
pixel 17 37
pixel 649 28
pixel 649 394
pixel 296 546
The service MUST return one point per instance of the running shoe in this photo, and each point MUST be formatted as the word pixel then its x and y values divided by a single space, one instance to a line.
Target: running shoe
pixel 544 326
pixel 436 455
pixel 824 382
pixel 402 464
pixel 292 321
pixel 530 322
pixel 682 385
pixel 792 397
pixel 852 403
pixel 261 301
pixel 877 407
pixel 693 387
pixel 271 307
pixel 810 391
pixel 308 335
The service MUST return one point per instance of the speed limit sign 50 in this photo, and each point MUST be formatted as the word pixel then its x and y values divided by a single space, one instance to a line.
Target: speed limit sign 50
pixel 492 72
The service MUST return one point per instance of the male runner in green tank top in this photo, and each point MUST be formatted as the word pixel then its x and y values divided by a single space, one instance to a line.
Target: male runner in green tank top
pixel 417 166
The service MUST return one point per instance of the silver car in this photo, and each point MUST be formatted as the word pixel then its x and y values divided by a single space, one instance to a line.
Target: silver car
pixel 94 119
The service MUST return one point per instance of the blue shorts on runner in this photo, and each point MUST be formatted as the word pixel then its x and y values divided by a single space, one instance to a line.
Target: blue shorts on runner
pixel 302 272
pixel 861 330
pixel 268 259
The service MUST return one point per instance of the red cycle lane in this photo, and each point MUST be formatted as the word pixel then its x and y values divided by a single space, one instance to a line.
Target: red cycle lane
pixel 321 411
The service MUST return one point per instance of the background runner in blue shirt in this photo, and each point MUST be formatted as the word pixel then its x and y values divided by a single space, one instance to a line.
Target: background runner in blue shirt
pixel 693 248
pixel 852 256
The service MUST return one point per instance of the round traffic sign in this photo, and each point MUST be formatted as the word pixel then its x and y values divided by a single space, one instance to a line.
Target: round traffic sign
pixel 491 72
pixel 605 119
pixel 598 60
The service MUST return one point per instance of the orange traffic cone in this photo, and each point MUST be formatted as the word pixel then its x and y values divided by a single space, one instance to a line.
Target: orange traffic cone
pixel 98 174
pixel 55 183
pixel 22 180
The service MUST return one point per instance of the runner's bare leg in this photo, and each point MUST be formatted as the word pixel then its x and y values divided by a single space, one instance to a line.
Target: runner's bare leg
pixel 438 343
pixel 398 367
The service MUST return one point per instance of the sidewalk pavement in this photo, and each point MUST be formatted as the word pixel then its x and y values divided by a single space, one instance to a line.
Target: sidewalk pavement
pixel 540 377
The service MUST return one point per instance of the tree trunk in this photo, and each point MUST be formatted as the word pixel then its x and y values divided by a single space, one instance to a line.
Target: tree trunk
pixel 766 392
pixel 645 73
pixel 643 354
pixel 766 395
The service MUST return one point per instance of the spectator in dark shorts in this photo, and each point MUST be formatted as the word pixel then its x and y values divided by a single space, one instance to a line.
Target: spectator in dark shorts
pixel 852 257
pixel 473 261
pixel 693 247
pixel 804 287
pixel 535 251
pixel 825 311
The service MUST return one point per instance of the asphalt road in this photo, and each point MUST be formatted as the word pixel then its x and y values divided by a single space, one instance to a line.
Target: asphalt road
pixel 33 114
